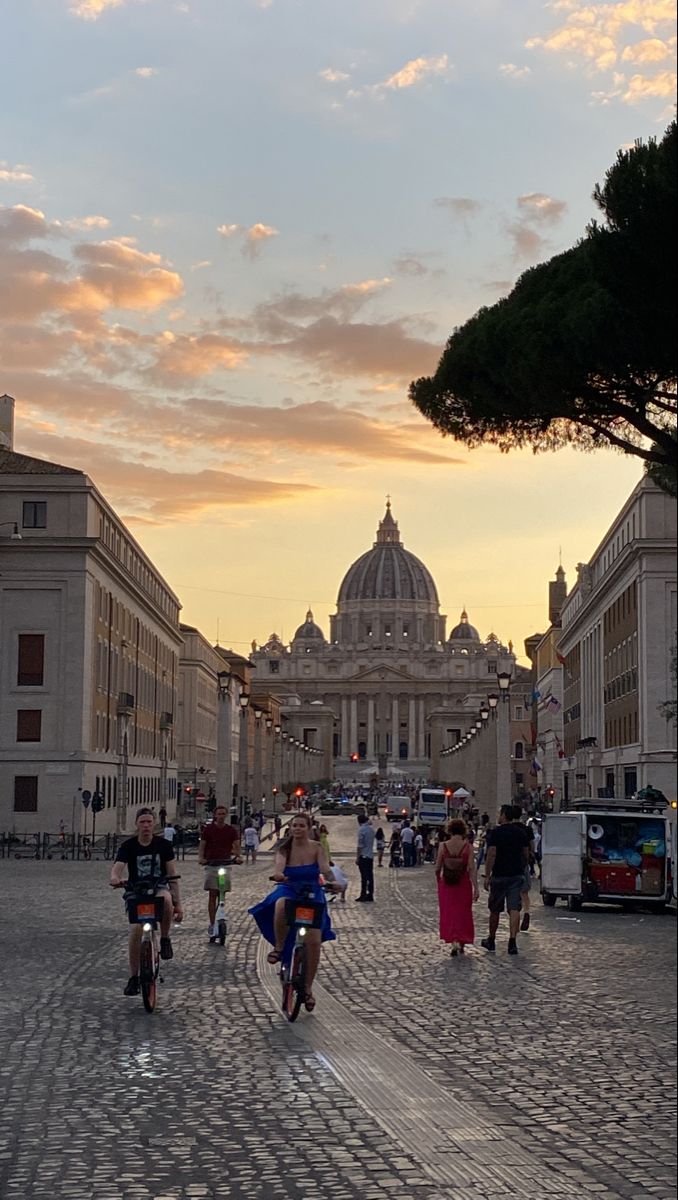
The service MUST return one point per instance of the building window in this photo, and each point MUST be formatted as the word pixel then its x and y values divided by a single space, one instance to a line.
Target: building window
pixel 274 667
pixel 34 514
pixel 28 724
pixel 518 713
pixel 491 666
pixel 519 751
pixel 31 660
pixel 25 793
pixel 630 782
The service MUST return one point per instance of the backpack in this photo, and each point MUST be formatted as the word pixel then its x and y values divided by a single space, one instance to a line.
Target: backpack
pixel 454 866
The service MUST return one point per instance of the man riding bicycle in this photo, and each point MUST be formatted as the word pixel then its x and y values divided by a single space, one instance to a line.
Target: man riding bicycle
pixel 219 842
pixel 147 858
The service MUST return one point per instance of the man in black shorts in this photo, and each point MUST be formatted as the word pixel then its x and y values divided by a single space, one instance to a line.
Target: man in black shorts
pixel 146 857
pixel 507 860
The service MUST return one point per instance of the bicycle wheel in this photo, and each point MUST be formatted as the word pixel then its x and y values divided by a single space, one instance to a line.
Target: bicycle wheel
pixel 148 975
pixel 296 985
pixel 221 932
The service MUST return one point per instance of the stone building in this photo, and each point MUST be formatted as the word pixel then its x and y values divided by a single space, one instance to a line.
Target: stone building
pixel 89 654
pixel 398 687
pixel 618 630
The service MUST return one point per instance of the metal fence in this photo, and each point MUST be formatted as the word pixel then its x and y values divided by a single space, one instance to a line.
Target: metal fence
pixel 65 846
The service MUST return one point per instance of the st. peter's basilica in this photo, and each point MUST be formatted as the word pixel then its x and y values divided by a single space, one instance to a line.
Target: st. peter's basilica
pixel 387 688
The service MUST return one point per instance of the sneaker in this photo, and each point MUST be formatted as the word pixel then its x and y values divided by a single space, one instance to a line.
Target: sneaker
pixel 525 923
pixel 166 950
pixel 488 944
pixel 512 946
pixel 132 987
pixel 212 933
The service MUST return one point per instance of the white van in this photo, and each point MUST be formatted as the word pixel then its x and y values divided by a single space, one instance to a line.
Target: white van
pixel 607 851
pixel 398 808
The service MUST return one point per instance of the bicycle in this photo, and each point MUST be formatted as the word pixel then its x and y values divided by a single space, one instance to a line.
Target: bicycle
pixel 146 908
pixel 302 914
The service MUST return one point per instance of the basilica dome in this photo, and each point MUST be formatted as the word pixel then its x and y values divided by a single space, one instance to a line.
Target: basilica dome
pixel 388 571
pixel 309 631
pixel 464 632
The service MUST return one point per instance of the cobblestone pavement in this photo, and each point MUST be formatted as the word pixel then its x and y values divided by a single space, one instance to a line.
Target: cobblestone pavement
pixel 418 1076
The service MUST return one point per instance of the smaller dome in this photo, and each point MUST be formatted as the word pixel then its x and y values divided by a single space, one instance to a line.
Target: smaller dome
pixel 464 632
pixel 309 631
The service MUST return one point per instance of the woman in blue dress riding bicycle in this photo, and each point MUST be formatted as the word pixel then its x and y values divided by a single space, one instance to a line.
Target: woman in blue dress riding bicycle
pixel 299 864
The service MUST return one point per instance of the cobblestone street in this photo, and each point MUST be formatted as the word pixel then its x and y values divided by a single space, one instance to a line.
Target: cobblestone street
pixel 418 1076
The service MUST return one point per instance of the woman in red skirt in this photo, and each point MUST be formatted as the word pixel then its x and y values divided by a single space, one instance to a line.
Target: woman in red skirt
pixel 457 888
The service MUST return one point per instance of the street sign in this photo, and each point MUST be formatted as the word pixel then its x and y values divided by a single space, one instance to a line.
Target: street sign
pixel 200 796
pixel 86 797
pixel 98 802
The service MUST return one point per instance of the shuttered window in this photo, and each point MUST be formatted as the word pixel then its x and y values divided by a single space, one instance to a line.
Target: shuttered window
pixel 31 660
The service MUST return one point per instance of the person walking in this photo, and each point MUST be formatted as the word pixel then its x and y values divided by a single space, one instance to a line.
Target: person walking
pixel 324 838
pixel 395 850
pixel 407 840
pixel 457 882
pixel 365 860
pixel 380 845
pixel 507 861
pixel 251 844
pixel 169 833
pixel 529 869
pixel 419 849
pixel 277 825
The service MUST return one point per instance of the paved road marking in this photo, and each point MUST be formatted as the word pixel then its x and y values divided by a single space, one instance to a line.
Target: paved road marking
pixel 454 1143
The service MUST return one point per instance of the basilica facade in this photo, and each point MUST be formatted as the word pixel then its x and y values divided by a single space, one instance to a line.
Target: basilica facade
pixel 385 688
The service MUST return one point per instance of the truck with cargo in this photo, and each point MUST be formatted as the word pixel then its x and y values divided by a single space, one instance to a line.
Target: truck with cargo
pixel 610 852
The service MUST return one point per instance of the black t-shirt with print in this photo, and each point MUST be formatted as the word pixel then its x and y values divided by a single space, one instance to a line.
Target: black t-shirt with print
pixel 145 862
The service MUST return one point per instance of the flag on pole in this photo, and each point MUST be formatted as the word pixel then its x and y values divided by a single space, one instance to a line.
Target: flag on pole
pixel 536 695
pixel 553 705
pixel 561 658
pixel 536 766
pixel 559 744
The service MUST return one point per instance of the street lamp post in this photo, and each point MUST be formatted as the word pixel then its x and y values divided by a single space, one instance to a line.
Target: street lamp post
pixel 258 717
pixel 503 740
pixel 243 752
pixel 224 780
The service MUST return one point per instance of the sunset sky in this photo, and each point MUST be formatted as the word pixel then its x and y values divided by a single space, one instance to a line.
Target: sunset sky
pixel 231 234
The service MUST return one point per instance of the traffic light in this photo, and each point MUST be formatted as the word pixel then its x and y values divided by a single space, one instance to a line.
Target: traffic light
pixel 355 758
pixel 299 792
pixel 448 792
pixel 550 792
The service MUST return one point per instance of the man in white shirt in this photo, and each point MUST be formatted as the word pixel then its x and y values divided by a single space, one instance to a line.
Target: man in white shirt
pixel 407 840
pixel 169 833
pixel 365 860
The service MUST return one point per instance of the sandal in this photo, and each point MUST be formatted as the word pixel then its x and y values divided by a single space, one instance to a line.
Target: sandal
pixel 309 1002
pixel 273 957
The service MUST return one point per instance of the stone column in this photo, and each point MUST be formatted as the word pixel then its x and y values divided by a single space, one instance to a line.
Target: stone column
pixel 353 749
pixel 412 728
pixel 345 731
pixel 370 727
pixel 421 730
pixel 395 726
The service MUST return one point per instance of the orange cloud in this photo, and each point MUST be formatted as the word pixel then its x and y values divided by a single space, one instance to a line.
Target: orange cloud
pixel 157 494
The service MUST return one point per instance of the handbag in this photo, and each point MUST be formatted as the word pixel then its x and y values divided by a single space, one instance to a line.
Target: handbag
pixel 454 866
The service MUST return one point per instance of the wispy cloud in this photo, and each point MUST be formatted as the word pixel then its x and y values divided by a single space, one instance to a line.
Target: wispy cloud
pixel 513 71
pixel 91 10
pixel 146 72
pixel 17 174
pixel 252 237
pixel 537 212
pixel 460 207
pixel 603 37
pixel 330 75
pixel 416 71
pixel 91 222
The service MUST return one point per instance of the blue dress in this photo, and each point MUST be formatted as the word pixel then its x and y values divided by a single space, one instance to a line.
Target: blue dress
pixel 298 878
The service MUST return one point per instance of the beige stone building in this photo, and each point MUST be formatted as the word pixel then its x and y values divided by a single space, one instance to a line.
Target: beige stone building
pixel 618 628
pixel 396 687
pixel 89 654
